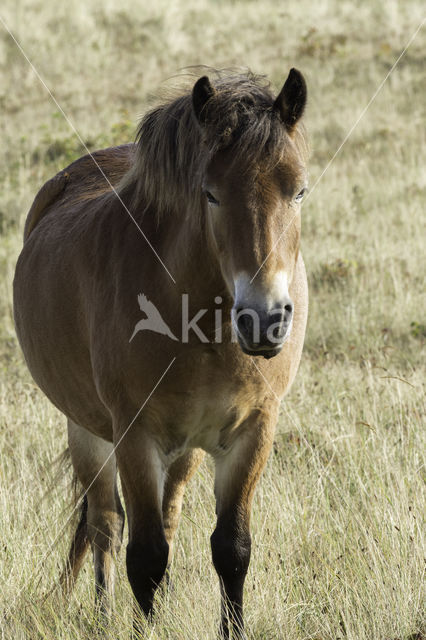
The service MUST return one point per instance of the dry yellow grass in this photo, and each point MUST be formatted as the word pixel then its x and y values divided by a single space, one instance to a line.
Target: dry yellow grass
pixel 338 547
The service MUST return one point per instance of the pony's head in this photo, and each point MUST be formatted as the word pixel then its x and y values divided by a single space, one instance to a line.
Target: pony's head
pixel 253 184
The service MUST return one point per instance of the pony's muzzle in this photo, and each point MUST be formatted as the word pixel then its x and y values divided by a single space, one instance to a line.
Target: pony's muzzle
pixel 262 332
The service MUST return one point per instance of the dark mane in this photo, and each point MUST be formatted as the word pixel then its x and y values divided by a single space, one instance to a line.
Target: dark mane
pixel 172 151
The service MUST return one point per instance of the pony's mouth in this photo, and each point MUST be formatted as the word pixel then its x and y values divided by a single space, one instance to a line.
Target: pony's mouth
pixel 265 350
pixel 267 353
pixel 268 350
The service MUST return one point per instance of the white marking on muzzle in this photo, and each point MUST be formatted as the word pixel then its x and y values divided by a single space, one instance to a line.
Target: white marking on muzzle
pixel 278 292
pixel 259 296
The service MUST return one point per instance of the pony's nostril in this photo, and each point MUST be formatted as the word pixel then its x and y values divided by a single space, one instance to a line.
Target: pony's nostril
pixel 245 323
pixel 288 308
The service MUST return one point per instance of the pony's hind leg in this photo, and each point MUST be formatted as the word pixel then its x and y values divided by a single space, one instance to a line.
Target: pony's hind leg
pixel 95 465
pixel 178 475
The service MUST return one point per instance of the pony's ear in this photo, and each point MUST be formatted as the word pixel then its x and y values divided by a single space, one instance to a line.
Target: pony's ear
pixel 291 100
pixel 201 94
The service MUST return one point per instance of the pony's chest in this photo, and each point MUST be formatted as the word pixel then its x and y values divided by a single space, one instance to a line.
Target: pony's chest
pixel 206 417
pixel 206 402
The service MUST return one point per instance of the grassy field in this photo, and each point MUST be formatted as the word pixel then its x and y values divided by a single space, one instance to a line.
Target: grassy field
pixel 338 550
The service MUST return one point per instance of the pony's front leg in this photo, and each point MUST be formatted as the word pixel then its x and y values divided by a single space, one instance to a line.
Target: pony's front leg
pixel 142 476
pixel 237 472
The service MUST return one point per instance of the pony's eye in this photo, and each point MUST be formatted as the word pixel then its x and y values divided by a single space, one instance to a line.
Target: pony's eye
pixel 212 200
pixel 300 195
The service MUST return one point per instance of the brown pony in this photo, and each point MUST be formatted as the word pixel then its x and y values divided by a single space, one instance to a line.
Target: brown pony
pixel 199 221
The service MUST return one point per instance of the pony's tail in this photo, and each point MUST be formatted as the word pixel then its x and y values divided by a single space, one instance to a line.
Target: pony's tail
pixel 79 546
pixel 80 541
